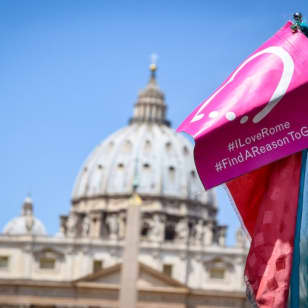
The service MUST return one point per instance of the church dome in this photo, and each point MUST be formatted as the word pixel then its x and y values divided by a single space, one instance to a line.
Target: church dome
pixel 154 155
pixel 26 223
pixel 147 151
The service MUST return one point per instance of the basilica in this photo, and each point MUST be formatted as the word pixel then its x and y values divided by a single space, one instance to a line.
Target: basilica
pixel 183 259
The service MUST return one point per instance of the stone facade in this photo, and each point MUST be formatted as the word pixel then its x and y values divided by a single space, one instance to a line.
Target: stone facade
pixel 184 259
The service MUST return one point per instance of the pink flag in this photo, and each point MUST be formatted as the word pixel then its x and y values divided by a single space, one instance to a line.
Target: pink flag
pixel 258 115
pixel 247 131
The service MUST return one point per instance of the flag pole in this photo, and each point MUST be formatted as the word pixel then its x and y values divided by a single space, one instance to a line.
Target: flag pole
pixel 299 275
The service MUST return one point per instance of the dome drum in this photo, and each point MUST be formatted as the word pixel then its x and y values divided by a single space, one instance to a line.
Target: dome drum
pixel 157 227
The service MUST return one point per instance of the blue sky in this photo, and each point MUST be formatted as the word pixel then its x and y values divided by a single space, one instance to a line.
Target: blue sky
pixel 70 72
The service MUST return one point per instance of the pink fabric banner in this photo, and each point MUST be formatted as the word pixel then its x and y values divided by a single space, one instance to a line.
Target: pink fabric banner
pixel 258 115
pixel 267 201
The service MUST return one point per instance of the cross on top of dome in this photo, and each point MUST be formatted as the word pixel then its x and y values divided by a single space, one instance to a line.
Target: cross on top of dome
pixel 153 66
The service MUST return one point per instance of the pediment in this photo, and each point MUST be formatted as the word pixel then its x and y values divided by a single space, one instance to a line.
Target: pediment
pixel 218 262
pixel 47 252
pixel 148 278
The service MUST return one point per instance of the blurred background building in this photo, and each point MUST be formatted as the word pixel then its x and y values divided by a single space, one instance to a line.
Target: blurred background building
pixel 183 258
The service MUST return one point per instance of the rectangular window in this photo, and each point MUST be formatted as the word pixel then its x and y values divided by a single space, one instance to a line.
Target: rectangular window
pixel 97 265
pixel 47 263
pixel 167 269
pixel 4 262
pixel 217 273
